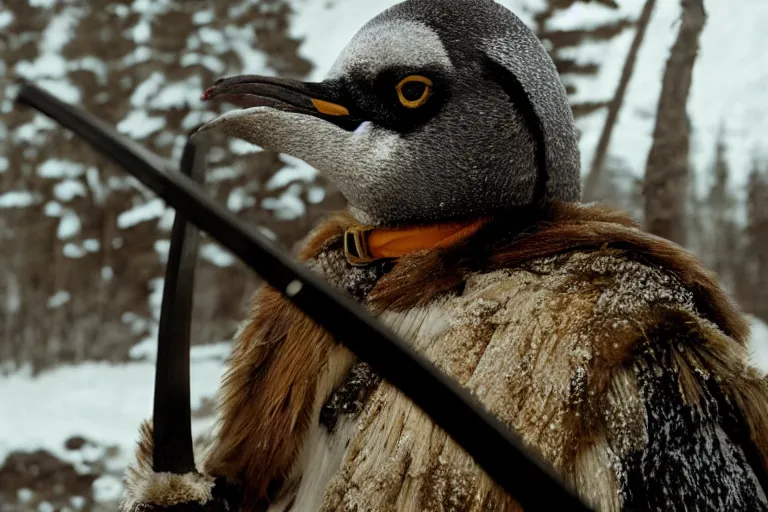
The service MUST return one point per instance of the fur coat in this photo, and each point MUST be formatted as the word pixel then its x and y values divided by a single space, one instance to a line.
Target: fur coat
pixel 612 353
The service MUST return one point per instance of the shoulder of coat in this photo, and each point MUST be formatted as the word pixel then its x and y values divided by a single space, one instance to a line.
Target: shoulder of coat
pixel 605 283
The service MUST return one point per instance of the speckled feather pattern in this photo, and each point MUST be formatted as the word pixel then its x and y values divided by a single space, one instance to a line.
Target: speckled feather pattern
pixel 459 164
pixel 489 27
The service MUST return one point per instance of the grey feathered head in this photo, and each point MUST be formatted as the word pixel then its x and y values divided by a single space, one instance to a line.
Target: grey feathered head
pixel 436 110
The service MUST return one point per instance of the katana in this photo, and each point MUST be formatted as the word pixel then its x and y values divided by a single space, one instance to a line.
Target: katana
pixel 171 416
pixel 531 481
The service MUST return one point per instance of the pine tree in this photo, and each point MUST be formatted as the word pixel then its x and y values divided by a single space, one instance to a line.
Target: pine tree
pixel 697 217
pixel 134 73
pixel 723 238
pixel 753 279
pixel 619 186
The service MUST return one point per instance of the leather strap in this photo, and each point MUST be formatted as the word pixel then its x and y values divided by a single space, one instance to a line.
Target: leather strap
pixel 365 244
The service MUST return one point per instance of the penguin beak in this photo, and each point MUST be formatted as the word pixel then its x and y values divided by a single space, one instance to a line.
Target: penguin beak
pixel 308 121
pixel 320 100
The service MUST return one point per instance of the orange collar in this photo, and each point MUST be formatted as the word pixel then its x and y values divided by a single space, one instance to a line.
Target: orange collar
pixel 364 244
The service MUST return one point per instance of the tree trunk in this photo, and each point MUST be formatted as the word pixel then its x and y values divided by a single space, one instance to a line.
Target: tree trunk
pixel 593 178
pixel 666 172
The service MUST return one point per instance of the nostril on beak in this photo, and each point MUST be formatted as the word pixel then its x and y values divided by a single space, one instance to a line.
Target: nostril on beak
pixel 208 93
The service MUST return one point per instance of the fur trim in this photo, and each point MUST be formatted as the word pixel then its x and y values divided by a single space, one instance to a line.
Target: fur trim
pixel 709 358
pixel 325 235
pixel 145 489
pixel 563 228
pixel 269 394
pixel 698 450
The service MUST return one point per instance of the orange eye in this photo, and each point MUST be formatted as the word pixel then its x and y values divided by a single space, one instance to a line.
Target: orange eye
pixel 413 91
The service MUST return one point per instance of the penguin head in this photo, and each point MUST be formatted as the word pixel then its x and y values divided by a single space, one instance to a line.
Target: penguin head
pixel 437 110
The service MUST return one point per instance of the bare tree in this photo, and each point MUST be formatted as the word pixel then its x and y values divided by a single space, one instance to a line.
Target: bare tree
pixel 666 171
pixel 593 178
pixel 561 42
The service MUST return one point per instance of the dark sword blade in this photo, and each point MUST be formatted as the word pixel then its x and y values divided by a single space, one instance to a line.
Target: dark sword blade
pixel 497 450
pixel 172 419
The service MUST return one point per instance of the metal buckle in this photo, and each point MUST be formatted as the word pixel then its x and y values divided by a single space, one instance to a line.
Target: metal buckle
pixel 356 246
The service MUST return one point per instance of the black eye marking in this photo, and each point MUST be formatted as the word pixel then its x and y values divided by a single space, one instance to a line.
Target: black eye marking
pixel 390 98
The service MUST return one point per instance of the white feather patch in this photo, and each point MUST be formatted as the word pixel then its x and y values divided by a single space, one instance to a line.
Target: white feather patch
pixel 392 43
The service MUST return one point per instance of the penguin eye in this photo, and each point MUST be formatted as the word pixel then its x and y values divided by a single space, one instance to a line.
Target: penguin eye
pixel 413 91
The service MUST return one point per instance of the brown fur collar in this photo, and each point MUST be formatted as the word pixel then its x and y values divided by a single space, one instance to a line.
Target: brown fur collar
pixel 507 243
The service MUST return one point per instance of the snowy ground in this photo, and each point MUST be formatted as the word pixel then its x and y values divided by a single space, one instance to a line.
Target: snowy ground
pixel 101 403
pixel 758 346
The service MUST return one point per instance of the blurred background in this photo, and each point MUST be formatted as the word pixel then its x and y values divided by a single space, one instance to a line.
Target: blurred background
pixel 672 110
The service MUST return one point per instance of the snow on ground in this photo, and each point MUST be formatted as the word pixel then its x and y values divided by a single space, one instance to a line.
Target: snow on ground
pixel 105 403
pixel 101 402
pixel 758 345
